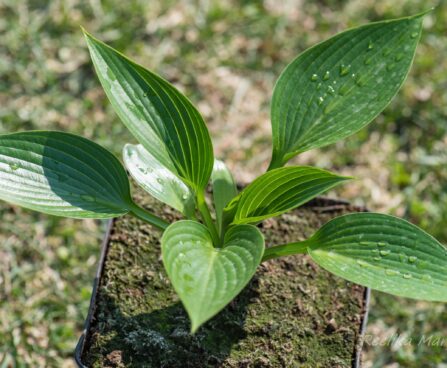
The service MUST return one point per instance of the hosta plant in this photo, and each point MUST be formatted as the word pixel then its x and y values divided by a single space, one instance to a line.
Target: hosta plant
pixel 327 93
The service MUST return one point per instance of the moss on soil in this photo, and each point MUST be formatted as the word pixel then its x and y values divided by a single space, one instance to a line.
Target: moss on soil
pixel 292 314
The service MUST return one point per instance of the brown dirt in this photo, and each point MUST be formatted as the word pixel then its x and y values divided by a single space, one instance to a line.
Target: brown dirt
pixel 292 314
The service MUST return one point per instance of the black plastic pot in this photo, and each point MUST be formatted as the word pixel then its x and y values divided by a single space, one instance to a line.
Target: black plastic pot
pixel 325 203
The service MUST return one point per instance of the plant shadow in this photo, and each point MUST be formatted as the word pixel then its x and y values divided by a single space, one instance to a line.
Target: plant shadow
pixel 161 338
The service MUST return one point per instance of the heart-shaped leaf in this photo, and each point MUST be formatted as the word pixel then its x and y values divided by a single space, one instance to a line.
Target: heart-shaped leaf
pixel 162 119
pixel 280 190
pixel 335 88
pixel 207 278
pixel 63 175
pixel 384 253
pixel 224 189
pixel 157 179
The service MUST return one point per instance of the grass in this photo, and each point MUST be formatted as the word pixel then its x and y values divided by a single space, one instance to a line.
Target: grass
pixel 226 56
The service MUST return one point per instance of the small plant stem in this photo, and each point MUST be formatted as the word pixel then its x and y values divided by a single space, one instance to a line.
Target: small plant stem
pixel 275 163
pixel 206 216
pixel 148 217
pixel 285 250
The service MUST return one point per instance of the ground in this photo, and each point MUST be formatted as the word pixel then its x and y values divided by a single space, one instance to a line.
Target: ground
pixel 226 57
pixel 139 321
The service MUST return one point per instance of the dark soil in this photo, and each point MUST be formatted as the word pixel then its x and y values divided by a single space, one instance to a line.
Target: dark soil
pixel 292 314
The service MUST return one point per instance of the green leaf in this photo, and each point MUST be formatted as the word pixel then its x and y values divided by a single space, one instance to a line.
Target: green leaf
pixel 384 253
pixel 224 189
pixel 279 191
pixel 162 119
pixel 62 174
pixel 157 179
pixel 207 278
pixel 335 88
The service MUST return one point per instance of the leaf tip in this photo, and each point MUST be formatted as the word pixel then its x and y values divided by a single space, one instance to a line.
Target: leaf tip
pixel 422 14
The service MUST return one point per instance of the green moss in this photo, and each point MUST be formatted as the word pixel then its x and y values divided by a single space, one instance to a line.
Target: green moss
pixel 292 314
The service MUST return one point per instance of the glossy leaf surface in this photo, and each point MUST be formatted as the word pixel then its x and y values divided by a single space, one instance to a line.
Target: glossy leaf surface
pixel 384 253
pixel 62 174
pixel 162 119
pixel 335 88
pixel 158 180
pixel 279 191
pixel 207 278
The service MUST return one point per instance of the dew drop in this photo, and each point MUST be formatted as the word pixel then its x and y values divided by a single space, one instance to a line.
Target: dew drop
pixel 320 100
pixel 331 90
pixel 390 272
pixel 344 69
pixel 344 90
pixel 399 57
pixel 377 258
pixel 412 259
pixel 370 45
pixel 382 244
pixel 327 75
pixel 362 263
pixel 368 60
pixel 365 243
pixel 314 77
pixel 159 181
pixel 407 276
pixel 184 197
pixel 385 252
pixel 402 257
pixel 390 66
pixel 142 170
pixel 414 34
pixel 13 166
pixel 318 85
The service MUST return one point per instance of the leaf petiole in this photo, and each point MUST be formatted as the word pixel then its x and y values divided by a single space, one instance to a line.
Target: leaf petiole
pixel 206 216
pixel 285 250
pixel 148 217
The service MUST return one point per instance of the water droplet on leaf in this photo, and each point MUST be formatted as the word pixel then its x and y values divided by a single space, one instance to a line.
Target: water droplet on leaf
pixel 412 259
pixel 385 252
pixel 390 272
pixel 382 244
pixel 314 77
pixel 344 69
pixel 370 45
pixel 13 166
pixel 399 57
pixel 362 263
pixel 414 34
pixel 327 75
pixel 407 276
